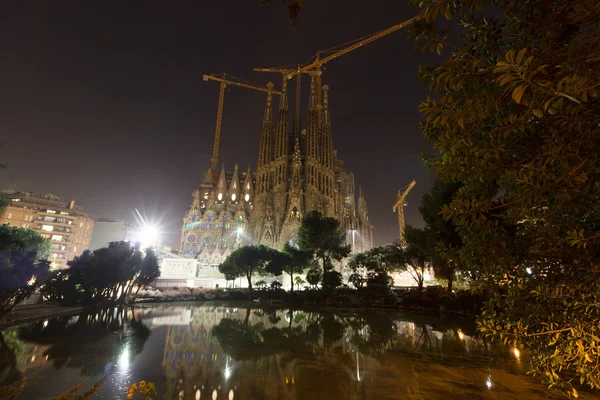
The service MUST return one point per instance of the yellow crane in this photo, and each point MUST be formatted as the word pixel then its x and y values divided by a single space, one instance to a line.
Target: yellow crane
pixel 222 78
pixel 400 204
pixel 316 65
pixel 335 52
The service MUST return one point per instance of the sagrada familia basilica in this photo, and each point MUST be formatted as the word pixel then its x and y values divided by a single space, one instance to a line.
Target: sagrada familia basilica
pixel 296 173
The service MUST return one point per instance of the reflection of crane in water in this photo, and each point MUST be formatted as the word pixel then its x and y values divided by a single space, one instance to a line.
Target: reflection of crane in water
pixel 400 204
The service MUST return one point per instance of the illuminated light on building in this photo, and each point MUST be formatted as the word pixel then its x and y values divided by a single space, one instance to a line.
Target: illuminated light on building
pixel 516 352
pixel 198 394
pixel 214 394
pixel 488 382
pixel 230 394
pixel 461 335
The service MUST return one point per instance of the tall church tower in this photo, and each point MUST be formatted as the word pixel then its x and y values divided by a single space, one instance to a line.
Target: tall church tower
pixel 295 174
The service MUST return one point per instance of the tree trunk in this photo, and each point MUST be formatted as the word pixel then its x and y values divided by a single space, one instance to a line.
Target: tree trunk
pixel 292 279
pixel 249 277
pixel 450 281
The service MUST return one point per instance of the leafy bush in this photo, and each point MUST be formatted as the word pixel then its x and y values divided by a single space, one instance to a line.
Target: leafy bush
pixel 377 294
pixel 331 280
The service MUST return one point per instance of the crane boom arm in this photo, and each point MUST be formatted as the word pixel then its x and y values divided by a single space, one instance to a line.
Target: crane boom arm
pixel 240 84
pixel 402 195
pixel 356 45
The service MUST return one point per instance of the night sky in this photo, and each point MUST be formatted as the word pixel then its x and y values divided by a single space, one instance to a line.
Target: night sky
pixel 103 101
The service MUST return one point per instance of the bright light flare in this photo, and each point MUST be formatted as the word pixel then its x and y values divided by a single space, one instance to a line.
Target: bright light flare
pixel 461 335
pixel 147 233
pixel 488 382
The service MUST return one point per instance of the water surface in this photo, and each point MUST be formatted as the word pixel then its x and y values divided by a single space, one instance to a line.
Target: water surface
pixel 204 351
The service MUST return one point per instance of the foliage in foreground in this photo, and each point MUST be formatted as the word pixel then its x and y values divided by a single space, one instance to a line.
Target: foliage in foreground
pixel 515 118
pixel 23 265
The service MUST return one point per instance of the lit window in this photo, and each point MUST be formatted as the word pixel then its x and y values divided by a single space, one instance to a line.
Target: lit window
pixel 80 224
pixel 48 228
pixel 57 237
pixel 9 216
pixel 64 213
pixel 24 225
pixel 75 249
pixel 220 196
pixel 51 211
pixel 247 197
pixel 16 199
pixel 233 197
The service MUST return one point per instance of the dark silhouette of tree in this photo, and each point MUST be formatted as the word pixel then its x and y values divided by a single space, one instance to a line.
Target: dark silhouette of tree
pixel 325 238
pixel 23 265
pixel 291 261
pixel 441 231
pixel 379 262
pixel 106 275
pixel 417 254
pixel 247 261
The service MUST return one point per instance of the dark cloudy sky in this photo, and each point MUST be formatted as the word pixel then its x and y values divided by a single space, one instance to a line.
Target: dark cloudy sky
pixel 103 101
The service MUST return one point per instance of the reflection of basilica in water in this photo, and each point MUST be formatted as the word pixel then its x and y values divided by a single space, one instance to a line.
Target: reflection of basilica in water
pixel 328 357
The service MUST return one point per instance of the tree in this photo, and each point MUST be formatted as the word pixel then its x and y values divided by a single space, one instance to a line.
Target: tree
pixel 291 261
pixel 149 272
pixel 442 232
pixel 23 265
pixel 417 254
pixel 246 261
pixel 299 282
pixel 313 277
pixel 105 275
pixel 324 237
pixel 378 262
pixel 514 118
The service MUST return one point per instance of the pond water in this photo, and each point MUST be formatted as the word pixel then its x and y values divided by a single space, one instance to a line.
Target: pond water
pixel 230 352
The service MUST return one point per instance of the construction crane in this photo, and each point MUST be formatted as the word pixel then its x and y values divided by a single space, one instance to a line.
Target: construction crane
pixel 400 204
pixel 316 65
pixel 222 78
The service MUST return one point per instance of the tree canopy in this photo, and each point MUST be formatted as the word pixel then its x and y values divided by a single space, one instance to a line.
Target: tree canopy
pixel 442 234
pixel 515 118
pixel 106 274
pixel 324 237
pixel 378 263
pixel 291 260
pixel 23 264
pixel 246 261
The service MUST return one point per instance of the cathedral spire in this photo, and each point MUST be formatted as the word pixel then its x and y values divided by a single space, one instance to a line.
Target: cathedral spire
pixel 265 151
pixel 247 187
pixel 313 121
pixel 296 164
pixel 281 144
pixel 326 142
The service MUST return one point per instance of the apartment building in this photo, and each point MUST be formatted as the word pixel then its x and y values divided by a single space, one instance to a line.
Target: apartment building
pixel 63 222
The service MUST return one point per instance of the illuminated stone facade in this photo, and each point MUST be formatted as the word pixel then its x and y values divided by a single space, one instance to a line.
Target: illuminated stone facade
pixel 295 174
